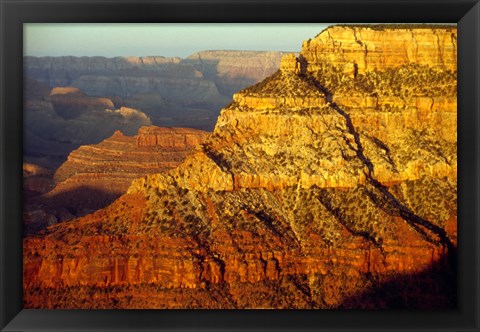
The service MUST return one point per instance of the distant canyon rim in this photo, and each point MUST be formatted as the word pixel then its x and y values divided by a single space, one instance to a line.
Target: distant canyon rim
pixel 67 98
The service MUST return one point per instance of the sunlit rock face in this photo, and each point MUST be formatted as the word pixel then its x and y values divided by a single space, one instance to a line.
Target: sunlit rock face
pixel 330 184
pixel 382 47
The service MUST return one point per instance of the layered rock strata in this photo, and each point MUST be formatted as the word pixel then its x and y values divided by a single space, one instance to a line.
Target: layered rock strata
pixel 307 195
pixel 379 47
pixel 37 180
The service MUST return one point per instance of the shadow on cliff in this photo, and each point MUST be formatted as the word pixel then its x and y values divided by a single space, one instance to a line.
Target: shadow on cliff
pixel 82 198
pixel 378 193
pixel 55 207
pixel 433 288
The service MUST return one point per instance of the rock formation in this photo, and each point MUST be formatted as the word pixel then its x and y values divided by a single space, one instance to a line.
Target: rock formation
pixel 95 175
pixel 330 184
pixel 62 71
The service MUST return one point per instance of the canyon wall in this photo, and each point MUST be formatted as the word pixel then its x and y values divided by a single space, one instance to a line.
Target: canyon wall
pixel 59 120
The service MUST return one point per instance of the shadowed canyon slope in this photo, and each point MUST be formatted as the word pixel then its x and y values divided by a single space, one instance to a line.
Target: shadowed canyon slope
pixel 330 184
pixel 67 97
pixel 59 120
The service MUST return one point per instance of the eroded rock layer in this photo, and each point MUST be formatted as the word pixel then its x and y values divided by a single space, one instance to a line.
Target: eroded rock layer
pixel 37 180
pixel 66 98
pixel 319 188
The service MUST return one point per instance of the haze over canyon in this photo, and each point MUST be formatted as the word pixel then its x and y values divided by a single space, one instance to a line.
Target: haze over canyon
pixel 328 179
pixel 72 101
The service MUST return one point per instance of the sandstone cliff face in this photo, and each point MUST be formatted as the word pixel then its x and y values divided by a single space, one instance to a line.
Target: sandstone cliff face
pixel 378 48
pixel 315 186
pixel 95 175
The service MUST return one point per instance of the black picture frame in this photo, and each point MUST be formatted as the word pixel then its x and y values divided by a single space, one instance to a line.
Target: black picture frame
pixel 466 13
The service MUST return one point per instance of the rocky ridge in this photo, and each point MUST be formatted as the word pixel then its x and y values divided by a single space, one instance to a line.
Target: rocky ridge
pixel 316 185
pixel 36 179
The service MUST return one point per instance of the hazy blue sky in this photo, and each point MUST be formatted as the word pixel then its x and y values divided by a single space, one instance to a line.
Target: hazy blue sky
pixel 56 39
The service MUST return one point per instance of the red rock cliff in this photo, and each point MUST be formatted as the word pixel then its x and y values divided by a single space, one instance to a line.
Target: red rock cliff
pixel 318 189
